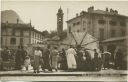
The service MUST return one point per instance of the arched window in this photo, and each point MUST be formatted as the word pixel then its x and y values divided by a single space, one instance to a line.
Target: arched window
pixel 101 31
pixel 113 23
pixel 122 23
pixel 21 33
pixel 101 21
pixel 123 32
pixel 13 32
pixel 21 41
pixel 84 29
pixel 113 33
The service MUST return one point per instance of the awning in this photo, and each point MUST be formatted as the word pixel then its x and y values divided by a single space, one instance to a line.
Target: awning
pixel 89 41
pixel 115 39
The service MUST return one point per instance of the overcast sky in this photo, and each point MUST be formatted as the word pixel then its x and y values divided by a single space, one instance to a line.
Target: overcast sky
pixel 43 13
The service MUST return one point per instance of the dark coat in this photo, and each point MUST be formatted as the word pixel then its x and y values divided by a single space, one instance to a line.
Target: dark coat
pixel 20 56
pixel 79 60
pixel 47 59
pixel 4 55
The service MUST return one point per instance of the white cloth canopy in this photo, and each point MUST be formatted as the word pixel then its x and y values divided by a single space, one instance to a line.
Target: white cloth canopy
pixel 88 42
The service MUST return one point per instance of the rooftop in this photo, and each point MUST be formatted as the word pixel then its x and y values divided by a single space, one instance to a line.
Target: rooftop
pixel 91 10
pixel 19 26
pixel 116 39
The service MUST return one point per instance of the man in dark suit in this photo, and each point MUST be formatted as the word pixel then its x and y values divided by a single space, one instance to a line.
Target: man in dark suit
pixel 47 58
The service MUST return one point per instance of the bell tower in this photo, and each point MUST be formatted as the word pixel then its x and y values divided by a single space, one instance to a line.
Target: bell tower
pixel 60 21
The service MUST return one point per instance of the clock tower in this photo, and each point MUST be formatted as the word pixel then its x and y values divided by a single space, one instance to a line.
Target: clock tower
pixel 60 21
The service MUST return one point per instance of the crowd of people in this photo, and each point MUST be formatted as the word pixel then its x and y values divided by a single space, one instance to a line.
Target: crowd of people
pixel 50 59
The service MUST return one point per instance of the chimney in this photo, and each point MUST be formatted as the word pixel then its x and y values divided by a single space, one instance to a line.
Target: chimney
pixel 107 9
pixel 116 12
pixel 91 9
pixel 112 11
pixel 17 20
pixel 30 23
pixel 7 22
pixel 76 14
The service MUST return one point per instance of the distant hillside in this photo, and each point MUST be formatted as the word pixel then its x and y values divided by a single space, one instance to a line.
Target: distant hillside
pixel 10 16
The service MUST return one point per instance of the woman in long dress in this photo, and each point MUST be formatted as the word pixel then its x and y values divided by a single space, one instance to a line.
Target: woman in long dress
pixel 54 56
pixel 71 61
pixel 37 58
pixel 64 60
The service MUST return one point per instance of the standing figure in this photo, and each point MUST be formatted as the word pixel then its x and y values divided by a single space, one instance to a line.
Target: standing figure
pixel 96 61
pixel 4 54
pixel 106 60
pixel 20 57
pixel 79 59
pixel 54 56
pixel 71 58
pixel 37 58
pixel 27 62
pixel 64 60
pixel 10 60
pixel 47 58
pixel 42 59
pixel 88 62
pixel 119 59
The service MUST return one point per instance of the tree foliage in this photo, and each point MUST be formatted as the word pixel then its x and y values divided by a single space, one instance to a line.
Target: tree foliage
pixel 52 34
pixel 63 35
pixel 46 34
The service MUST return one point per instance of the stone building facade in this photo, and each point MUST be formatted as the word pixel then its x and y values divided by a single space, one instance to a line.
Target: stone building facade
pixel 107 26
pixel 13 35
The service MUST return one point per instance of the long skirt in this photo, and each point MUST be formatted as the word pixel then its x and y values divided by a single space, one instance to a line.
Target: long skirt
pixel 36 62
pixel 71 61
pixel 47 63
pixel 19 62
pixel 54 62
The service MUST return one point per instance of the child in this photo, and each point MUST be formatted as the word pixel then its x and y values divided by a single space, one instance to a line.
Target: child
pixel 27 62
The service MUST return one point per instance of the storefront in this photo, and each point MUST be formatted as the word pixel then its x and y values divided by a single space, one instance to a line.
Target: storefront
pixel 114 45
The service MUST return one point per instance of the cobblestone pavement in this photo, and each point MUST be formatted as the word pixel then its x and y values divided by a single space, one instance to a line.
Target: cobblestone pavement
pixel 103 75
pixel 65 78
pixel 108 71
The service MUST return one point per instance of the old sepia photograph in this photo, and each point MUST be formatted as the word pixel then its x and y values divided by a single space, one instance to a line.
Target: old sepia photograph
pixel 60 40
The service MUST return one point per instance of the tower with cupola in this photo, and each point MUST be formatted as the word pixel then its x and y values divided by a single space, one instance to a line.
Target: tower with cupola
pixel 60 21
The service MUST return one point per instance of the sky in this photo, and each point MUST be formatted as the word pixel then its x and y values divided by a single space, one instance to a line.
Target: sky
pixel 43 13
